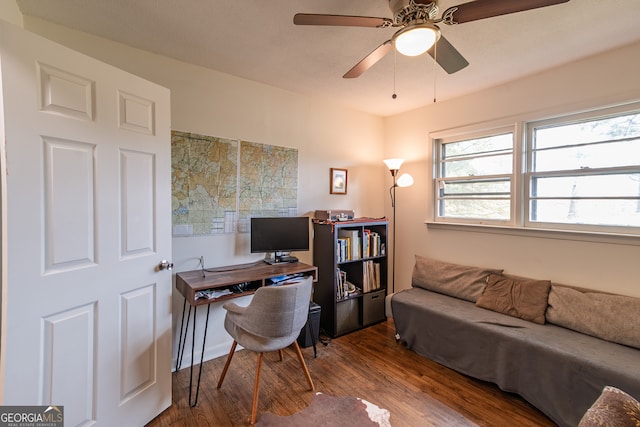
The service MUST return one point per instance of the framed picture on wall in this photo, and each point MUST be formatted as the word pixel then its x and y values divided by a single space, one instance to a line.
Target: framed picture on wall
pixel 338 181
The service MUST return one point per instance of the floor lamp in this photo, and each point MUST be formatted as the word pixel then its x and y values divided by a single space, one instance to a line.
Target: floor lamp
pixel 404 180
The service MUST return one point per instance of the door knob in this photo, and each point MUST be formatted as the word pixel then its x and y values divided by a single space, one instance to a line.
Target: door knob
pixel 165 265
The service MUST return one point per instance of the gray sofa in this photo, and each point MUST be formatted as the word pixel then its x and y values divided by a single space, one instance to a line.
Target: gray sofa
pixel 560 363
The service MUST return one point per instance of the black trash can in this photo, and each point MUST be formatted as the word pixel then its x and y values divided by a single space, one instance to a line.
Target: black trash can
pixel 311 331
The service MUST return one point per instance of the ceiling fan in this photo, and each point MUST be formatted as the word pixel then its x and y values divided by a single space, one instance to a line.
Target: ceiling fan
pixel 419 32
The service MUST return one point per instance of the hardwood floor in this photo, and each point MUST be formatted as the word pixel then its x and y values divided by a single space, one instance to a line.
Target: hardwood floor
pixel 369 364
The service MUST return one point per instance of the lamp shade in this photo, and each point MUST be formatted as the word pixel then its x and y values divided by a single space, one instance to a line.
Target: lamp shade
pixel 405 180
pixel 393 164
pixel 416 40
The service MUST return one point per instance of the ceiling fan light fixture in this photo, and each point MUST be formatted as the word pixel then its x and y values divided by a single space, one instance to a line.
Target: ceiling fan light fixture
pixel 416 40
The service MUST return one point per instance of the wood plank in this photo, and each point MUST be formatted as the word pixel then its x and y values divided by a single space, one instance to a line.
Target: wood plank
pixel 369 364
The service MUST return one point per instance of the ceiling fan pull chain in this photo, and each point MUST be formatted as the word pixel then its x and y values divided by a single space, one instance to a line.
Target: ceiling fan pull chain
pixel 394 96
pixel 435 69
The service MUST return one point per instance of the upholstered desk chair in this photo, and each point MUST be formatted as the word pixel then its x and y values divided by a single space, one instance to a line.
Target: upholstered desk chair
pixel 271 322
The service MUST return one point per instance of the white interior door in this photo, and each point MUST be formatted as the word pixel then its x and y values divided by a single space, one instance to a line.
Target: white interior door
pixel 86 317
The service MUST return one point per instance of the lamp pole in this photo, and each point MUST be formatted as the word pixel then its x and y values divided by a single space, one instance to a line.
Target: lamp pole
pixel 405 180
pixel 392 193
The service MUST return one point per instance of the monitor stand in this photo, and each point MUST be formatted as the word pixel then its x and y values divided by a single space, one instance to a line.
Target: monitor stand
pixel 279 258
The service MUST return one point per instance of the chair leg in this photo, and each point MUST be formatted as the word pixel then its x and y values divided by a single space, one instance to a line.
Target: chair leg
pixel 304 365
pixel 280 354
pixel 256 389
pixel 226 365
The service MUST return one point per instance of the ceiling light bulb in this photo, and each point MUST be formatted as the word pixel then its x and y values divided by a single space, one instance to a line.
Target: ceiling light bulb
pixel 416 40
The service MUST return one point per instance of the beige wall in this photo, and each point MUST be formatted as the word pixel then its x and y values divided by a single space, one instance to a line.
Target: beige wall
pixel 9 12
pixel 603 80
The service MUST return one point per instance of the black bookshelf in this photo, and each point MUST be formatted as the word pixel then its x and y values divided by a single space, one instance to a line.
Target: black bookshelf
pixel 366 268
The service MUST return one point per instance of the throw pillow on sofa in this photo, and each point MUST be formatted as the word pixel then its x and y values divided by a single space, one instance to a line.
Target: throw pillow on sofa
pixel 526 299
pixel 609 317
pixel 459 281
pixel 614 407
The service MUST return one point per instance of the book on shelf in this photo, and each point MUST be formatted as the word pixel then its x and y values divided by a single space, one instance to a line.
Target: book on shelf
pixel 351 246
pixel 370 276
pixel 342 249
pixel 375 244
pixel 366 243
pixel 352 238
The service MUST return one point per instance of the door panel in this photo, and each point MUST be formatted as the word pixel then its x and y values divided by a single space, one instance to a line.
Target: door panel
pixel 138 341
pixel 64 93
pixel 69 216
pixel 136 113
pixel 86 316
pixel 137 202
pixel 72 328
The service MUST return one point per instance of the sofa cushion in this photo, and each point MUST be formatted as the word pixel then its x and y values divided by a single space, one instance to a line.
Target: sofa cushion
pixel 596 314
pixel 455 280
pixel 614 407
pixel 523 298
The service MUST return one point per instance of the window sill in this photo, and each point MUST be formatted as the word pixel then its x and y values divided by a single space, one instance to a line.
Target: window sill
pixel 580 236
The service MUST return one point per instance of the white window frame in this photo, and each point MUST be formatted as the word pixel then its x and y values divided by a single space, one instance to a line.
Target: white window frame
pixel 519 222
pixel 529 173
pixel 441 139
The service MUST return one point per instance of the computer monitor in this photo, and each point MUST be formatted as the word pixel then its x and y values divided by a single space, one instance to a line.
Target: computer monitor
pixel 278 236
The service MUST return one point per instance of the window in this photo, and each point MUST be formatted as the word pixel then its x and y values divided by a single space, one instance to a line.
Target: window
pixel 584 173
pixel 578 173
pixel 475 177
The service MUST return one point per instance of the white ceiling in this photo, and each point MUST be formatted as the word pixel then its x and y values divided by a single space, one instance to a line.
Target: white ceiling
pixel 257 40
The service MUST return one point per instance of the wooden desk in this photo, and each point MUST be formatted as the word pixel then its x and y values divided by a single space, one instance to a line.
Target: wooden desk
pixel 253 275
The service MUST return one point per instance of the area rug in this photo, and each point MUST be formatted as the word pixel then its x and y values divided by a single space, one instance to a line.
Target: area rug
pixel 331 411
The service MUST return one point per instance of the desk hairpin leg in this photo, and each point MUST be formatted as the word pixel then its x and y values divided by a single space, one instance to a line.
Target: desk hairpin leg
pixel 183 336
pixel 193 341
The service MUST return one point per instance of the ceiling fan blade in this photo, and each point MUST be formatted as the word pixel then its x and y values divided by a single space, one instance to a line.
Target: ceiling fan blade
pixel 481 9
pixel 341 20
pixel 447 56
pixel 369 60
